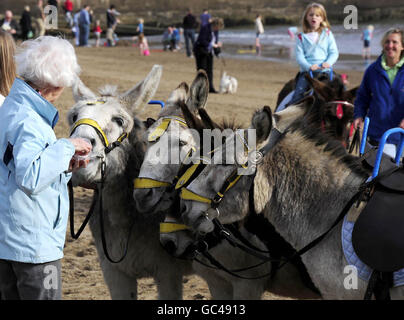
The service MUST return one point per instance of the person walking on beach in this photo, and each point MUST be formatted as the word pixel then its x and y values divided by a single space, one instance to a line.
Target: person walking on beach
pixel 34 172
pixel 25 24
pixel 97 33
pixel 367 35
pixel 205 18
pixel 7 64
pixel 316 49
pixel 68 7
pixel 140 26
pixel 208 39
pixel 84 25
pixel 143 45
pixel 259 29
pixel 38 18
pixel 189 24
pixel 112 22
pixel 380 96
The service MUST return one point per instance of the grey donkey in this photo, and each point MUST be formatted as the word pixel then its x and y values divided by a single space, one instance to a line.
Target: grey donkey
pixel 300 187
pixel 156 193
pixel 116 114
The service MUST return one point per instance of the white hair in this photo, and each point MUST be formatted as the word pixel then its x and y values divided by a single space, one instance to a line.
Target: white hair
pixel 47 61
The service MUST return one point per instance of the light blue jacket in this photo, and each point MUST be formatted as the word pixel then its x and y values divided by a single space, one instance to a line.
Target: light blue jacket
pixel 309 53
pixel 34 200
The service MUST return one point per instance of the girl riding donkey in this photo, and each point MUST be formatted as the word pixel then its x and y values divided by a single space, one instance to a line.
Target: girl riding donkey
pixel 316 50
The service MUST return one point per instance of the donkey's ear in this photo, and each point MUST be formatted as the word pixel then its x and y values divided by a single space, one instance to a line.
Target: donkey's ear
pixel 198 92
pixel 351 94
pixel 142 92
pixel 81 92
pixel 320 88
pixel 262 123
pixel 179 94
pixel 193 122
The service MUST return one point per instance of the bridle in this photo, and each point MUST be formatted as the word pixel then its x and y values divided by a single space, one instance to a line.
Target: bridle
pixel 339 113
pixel 108 147
pixel 149 183
pixel 154 136
pixel 213 213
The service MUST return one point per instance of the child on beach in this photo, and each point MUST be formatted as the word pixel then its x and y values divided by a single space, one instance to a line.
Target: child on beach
pixel 367 35
pixel 97 32
pixel 316 50
pixel 140 26
pixel 259 29
pixel 143 45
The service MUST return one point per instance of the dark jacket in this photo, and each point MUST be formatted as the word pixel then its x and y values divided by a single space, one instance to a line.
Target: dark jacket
pixel 14 25
pixel 382 102
pixel 202 43
pixel 189 21
pixel 25 22
pixel 111 20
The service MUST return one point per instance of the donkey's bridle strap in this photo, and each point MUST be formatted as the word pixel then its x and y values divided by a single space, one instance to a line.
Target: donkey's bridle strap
pixel 147 183
pixel 168 227
pixel 95 125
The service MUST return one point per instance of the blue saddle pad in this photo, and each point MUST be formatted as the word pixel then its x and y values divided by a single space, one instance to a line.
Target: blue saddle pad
pixel 364 271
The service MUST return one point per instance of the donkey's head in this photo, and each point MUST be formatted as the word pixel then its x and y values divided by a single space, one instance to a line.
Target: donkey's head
pixel 335 107
pixel 231 170
pixel 170 144
pixel 108 121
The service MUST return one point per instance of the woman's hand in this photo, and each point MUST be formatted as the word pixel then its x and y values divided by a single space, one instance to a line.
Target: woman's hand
pixel 358 122
pixel 82 147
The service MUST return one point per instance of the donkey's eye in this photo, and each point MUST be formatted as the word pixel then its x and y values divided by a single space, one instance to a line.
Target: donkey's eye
pixel 118 120
pixel 74 118
pixel 182 143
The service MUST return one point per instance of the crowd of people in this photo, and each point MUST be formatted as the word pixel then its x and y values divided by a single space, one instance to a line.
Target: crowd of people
pixel 36 166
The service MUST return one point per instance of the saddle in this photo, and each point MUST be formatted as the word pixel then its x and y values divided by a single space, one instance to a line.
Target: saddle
pixel 377 236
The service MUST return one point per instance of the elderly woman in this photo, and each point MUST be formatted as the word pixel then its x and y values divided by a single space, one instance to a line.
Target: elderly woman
pixel 34 171
pixel 381 96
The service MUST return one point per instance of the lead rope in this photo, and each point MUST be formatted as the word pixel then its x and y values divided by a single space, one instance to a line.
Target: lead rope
pixel 102 228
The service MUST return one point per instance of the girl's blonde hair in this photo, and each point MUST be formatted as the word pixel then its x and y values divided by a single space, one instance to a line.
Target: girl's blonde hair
pixel 7 63
pixel 319 9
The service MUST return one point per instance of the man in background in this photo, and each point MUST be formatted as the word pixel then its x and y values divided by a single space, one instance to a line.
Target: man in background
pixel 84 25
pixel 8 24
pixel 189 24
pixel 38 19
pixel 112 21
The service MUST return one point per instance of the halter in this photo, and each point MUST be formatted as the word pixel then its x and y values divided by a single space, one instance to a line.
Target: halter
pixel 213 212
pixel 108 147
pixel 154 136
pixel 340 110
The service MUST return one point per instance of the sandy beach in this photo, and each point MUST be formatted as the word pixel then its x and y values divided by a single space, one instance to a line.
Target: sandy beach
pixel 258 84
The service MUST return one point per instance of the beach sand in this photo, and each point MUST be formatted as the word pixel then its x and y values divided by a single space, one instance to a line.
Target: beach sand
pixel 258 84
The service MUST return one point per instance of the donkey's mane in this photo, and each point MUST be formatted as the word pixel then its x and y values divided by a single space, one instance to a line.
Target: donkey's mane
pixel 330 145
pixel 229 124
pixel 108 90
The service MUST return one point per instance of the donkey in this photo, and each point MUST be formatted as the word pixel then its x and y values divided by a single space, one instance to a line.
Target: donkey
pixel 300 186
pixel 154 191
pixel 181 244
pixel 340 104
pixel 125 227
